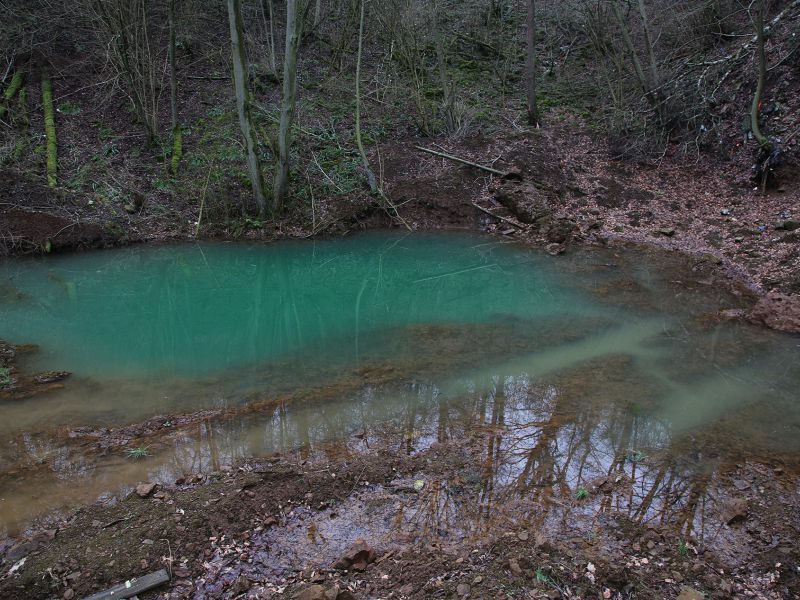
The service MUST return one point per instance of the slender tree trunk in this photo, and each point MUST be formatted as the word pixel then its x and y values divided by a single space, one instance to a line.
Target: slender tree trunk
pixel 637 64
pixel 530 64
pixel 240 82
pixel 762 76
pixel 373 184
pixel 317 13
pixel 281 182
pixel 447 91
pixel 50 130
pixel 655 75
pixel 177 142
pixel 269 30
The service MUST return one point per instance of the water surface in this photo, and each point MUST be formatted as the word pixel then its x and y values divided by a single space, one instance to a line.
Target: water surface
pixel 399 339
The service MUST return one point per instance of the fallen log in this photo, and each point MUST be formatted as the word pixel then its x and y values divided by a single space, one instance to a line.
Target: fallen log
pixel 462 161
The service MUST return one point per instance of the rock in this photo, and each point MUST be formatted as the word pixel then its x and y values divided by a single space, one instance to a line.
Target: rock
pixel 419 484
pixel 312 592
pixel 777 311
pixel 357 557
pixel 143 490
pixel 333 593
pixel 735 510
pixel 513 565
pixel 555 249
pixel 69 593
pixel 667 231
pixel 407 589
pixel 725 212
pixel 240 586
pixel 51 376
pixel 523 536
pixel 346 595
pixel 787 225
pixel 559 231
pixel 462 589
pixel 19 550
pixel 478 579
pixel 731 314
pixel 688 593
pixel 527 203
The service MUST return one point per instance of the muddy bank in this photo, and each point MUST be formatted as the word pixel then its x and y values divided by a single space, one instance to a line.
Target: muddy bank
pixel 445 520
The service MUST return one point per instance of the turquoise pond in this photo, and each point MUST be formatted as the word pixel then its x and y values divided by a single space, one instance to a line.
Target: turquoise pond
pixel 363 332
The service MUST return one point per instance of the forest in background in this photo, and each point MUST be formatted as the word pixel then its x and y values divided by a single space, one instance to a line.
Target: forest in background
pixel 211 110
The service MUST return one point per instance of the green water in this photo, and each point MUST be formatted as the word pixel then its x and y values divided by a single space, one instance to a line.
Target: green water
pixel 199 309
pixel 398 339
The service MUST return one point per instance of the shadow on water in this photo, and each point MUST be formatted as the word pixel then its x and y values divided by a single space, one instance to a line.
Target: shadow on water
pixel 547 376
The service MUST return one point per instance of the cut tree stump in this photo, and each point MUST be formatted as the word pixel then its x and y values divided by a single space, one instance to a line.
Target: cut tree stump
pixel 132 587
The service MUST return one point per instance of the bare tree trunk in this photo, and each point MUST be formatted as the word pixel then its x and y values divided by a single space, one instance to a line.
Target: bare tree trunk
pixel 373 184
pixel 317 13
pixel 637 64
pixel 762 76
pixel 240 82
pixel 447 91
pixel 530 64
pixel 269 30
pixel 177 142
pixel 281 182
pixel 655 75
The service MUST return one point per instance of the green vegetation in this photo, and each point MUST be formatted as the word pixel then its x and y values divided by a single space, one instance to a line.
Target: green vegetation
pixel 683 548
pixel 11 91
pixel 5 377
pixel 138 453
pixel 582 493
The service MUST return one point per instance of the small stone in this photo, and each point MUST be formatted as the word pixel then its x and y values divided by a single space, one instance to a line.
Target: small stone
pixel 357 557
pixel 688 593
pixel 667 231
pixel 725 212
pixel 513 565
pixel 462 589
pixel 419 484
pixel 523 536
pixel 478 579
pixel 407 589
pixel 69 593
pixel 312 592
pixel 735 510
pixel 677 576
pixel 143 490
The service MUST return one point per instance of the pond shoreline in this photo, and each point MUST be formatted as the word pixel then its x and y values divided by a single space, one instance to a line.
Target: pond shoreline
pixel 564 190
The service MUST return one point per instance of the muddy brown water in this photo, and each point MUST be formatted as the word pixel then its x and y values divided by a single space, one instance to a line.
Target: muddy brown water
pixel 594 369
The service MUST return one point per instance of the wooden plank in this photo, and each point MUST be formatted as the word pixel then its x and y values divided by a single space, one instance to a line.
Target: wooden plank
pixel 132 587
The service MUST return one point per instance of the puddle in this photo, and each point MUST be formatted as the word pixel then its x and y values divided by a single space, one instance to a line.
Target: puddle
pixel 593 369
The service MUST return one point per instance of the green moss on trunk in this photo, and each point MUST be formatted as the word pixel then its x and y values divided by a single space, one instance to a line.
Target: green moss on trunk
pixel 177 150
pixel 11 90
pixel 50 131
